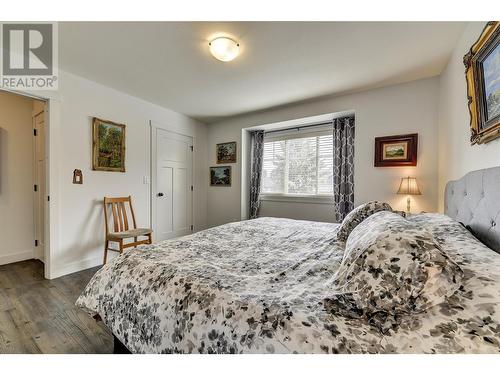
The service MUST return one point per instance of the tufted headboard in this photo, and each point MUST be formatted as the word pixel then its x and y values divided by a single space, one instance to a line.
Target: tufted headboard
pixel 474 200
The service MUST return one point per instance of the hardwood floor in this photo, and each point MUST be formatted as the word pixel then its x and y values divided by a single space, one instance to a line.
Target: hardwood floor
pixel 40 316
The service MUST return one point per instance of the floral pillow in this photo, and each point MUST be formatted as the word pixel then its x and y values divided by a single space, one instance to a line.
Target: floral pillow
pixel 359 214
pixel 392 266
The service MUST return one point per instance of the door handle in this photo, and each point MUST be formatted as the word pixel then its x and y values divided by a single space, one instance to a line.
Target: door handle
pixel 160 194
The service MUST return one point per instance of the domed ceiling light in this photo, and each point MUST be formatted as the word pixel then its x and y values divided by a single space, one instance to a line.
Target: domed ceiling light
pixel 224 49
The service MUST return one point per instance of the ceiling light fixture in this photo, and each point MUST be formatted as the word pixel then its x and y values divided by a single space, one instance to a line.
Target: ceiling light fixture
pixel 224 49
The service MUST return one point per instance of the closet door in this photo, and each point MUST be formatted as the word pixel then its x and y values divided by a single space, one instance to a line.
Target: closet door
pixel 173 197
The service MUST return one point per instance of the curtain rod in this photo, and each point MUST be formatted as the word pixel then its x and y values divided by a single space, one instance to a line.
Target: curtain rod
pixel 300 127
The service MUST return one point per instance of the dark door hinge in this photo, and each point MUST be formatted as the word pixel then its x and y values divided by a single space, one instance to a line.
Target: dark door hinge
pixel 48 198
pixel 34 132
pixel 192 148
pixel 35 187
pixel 192 187
pixel 192 227
pixel 36 242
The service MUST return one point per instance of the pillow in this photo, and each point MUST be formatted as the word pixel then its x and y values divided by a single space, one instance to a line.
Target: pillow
pixel 392 266
pixel 357 215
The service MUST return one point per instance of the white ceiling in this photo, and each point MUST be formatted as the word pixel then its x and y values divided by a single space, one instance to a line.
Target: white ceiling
pixel 168 63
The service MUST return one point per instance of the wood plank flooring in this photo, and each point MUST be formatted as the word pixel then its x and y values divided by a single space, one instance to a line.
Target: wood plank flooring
pixel 40 316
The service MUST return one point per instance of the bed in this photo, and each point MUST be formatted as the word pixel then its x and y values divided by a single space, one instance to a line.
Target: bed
pixel 261 286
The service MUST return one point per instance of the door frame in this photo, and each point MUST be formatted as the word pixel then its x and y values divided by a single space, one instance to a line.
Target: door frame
pixel 52 124
pixel 38 252
pixel 154 126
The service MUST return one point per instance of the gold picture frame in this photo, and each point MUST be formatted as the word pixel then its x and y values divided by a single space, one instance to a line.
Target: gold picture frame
pixel 221 175
pixel 484 121
pixel 108 146
pixel 226 152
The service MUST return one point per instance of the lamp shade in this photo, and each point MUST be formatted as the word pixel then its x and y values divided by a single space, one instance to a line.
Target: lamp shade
pixel 409 186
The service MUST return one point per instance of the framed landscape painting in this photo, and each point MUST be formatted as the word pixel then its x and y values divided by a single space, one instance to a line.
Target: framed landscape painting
pixel 482 64
pixel 226 152
pixel 220 176
pixel 108 151
pixel 396 150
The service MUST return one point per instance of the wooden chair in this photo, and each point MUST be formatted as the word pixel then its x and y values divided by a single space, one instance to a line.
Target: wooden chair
pixel 121 230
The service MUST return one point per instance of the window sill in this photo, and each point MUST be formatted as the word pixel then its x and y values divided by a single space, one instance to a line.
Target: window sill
pixel 316 199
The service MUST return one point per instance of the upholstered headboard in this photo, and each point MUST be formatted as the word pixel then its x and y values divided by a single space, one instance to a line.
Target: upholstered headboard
pixel 474 200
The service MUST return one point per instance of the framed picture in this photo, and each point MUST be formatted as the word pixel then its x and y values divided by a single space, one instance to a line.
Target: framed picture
pixel 396 150
pixel 108 151
pixel 482 72
pixel 220 176
pixel 226 152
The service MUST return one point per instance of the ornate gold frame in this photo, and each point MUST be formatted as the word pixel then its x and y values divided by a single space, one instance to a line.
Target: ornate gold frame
pixel 95 146
pixel 482 131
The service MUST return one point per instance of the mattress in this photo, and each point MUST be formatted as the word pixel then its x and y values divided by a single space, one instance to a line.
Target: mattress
pixel 259 286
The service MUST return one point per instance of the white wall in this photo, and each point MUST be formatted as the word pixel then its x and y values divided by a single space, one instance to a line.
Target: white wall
pixel 81 231
pixel 406 108
pixel 16 178
pixel 456 155
pixel 399 109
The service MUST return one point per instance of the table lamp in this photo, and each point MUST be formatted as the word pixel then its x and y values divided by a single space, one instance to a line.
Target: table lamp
pixel 409 187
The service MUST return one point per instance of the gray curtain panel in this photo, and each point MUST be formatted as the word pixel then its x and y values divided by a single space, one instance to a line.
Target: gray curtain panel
pixel 257 154
pixel 343 166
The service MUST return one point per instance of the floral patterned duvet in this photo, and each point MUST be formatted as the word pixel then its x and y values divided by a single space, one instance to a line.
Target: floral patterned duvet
pixel 259 286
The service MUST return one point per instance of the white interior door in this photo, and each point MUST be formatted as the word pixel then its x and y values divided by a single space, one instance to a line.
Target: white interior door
pixel 39 181
pixel 173 196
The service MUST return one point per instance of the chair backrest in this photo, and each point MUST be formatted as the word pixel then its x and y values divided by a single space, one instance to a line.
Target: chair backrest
pixel 119 213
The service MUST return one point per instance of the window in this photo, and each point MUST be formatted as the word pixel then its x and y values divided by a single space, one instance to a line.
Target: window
pixel 296 165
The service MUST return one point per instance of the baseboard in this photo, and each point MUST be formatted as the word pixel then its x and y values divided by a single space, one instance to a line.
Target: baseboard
pixel 16 257
pixel 38 253
pixel 79 265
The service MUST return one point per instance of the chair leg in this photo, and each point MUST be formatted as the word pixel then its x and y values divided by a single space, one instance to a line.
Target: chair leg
pixel 149 238
pixel 121 246
pixel 106 244
pixel 135 240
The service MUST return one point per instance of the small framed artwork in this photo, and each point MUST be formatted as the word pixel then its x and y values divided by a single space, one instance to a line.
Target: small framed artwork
pixel 220 176
pixel 108 151
pixel 482 72
pixel 396 150
pixel 226 152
